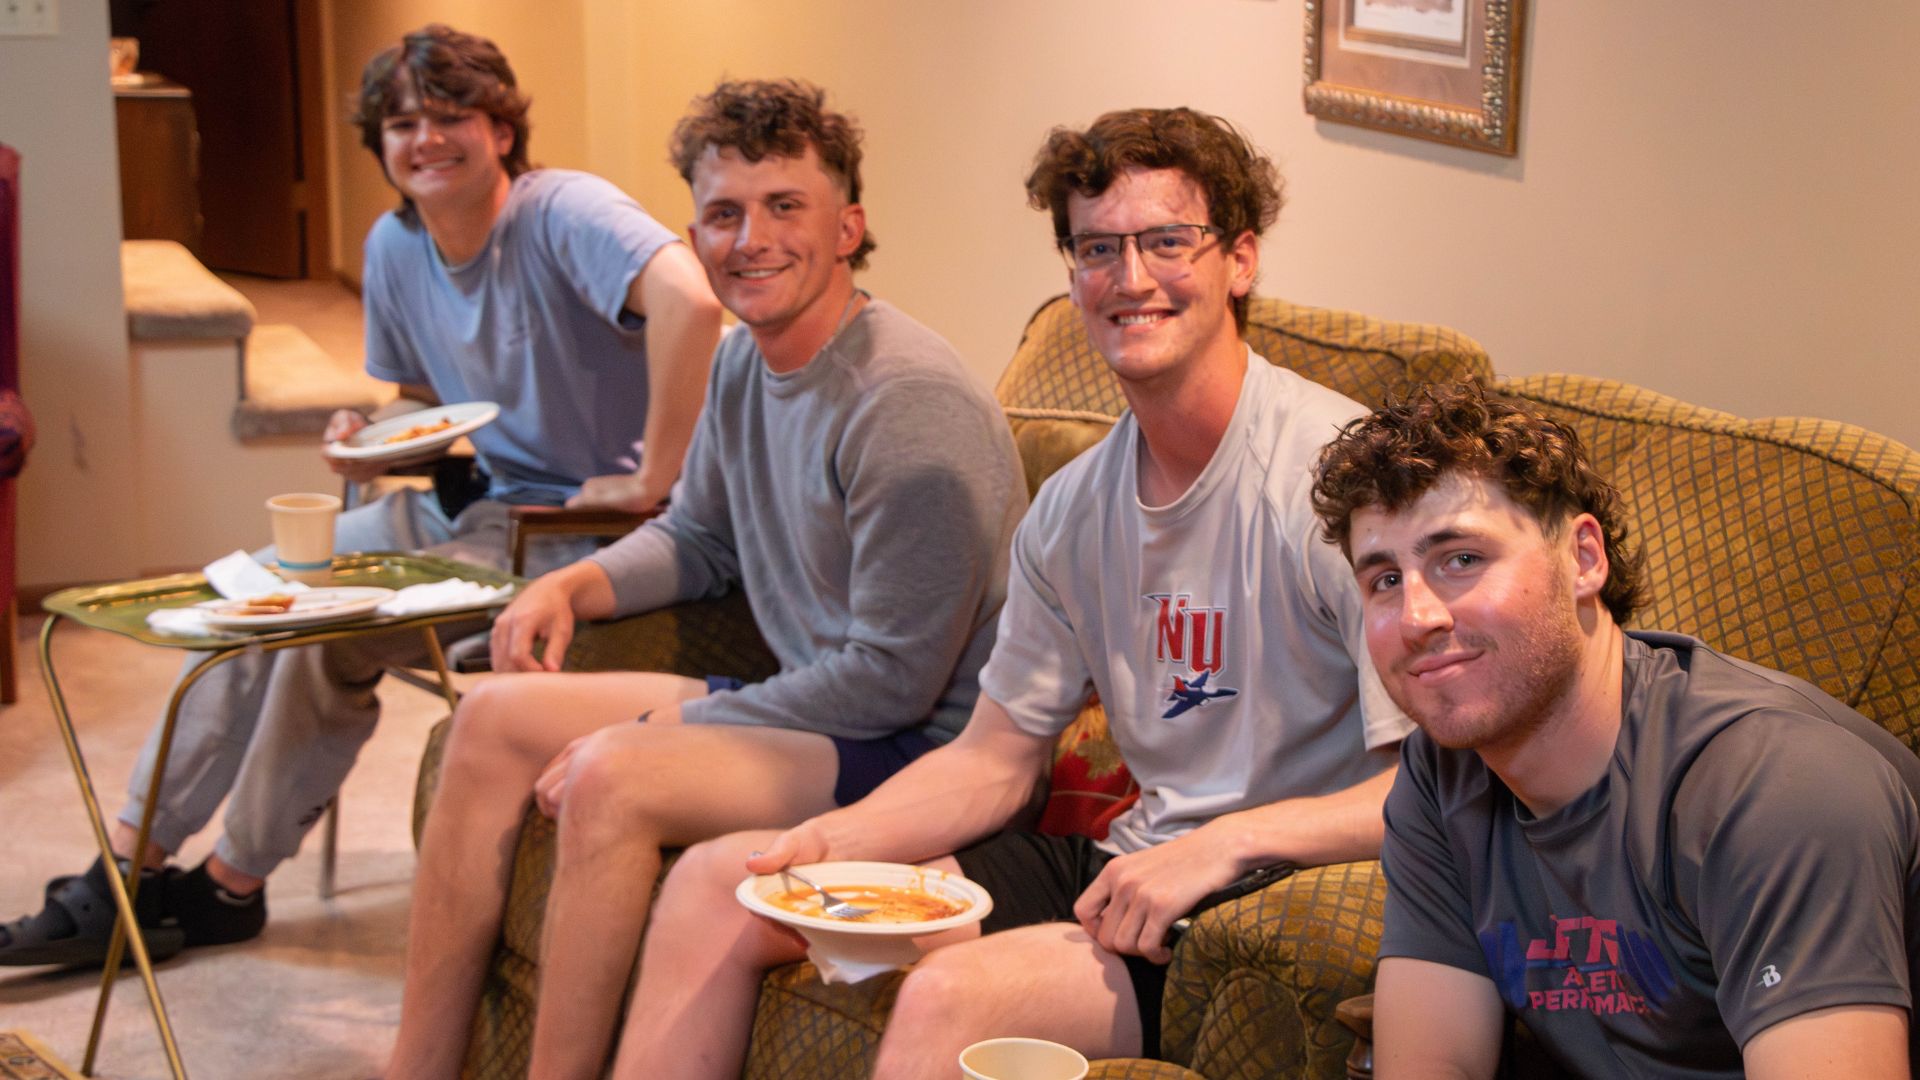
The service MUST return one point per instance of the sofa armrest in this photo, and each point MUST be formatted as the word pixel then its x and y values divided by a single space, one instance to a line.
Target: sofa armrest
pixel 1139 1069
pixel 1254 983
pixel 524 523
pixel 16 434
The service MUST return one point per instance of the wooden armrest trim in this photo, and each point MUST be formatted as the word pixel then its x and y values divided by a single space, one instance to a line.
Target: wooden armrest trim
pixel 528 521
pixel 1357 1015
pixel 557 520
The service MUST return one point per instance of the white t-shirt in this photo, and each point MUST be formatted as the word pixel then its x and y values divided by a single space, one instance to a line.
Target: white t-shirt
pixel 1221 631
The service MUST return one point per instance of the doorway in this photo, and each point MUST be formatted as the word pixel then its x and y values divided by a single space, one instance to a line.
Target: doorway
pixel 255 71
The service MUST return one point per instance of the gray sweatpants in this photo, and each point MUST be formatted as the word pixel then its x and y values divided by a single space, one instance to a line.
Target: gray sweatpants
pixel 281 730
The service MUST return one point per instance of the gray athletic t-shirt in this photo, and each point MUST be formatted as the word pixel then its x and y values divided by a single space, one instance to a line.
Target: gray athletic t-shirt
pixel 536 322
pixel 866 501
pixel 1752 853
pixel 1222 631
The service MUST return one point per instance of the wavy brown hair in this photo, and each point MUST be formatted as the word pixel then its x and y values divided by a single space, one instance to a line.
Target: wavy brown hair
pixel 1391 457
pixel 759 118
pixel 1244 191
pixel 439 63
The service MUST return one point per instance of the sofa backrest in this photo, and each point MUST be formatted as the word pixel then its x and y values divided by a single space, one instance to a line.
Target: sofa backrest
pixel 1793 543
pixel 1061 398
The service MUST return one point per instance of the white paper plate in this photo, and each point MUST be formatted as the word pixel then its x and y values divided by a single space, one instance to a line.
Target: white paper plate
pixel 370 442
pixel 861 948
pixel 309 608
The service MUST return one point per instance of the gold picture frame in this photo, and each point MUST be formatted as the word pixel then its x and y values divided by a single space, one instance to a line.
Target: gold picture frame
pixel 1443 70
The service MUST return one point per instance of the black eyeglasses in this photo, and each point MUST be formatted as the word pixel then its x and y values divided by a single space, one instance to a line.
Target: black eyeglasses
pixel 1163 244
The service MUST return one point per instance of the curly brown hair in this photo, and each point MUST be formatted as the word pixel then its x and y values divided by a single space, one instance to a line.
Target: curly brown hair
pixel 1394 455
pixel 1243 189
pixel 758 118
pixel 439 63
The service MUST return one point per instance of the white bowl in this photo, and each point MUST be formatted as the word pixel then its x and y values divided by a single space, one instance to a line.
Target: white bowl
pixel 850 945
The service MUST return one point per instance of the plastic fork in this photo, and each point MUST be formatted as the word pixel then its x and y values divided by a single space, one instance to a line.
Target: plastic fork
pixel 833 905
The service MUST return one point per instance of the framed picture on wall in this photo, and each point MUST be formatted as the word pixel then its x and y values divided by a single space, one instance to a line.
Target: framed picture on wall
pixel 1445 70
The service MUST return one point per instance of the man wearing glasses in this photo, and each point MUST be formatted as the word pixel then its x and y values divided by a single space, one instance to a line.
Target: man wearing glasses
pixel 1176 568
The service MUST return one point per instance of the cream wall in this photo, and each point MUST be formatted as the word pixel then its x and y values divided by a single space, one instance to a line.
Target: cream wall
pixel 1711 198
pixel 76 495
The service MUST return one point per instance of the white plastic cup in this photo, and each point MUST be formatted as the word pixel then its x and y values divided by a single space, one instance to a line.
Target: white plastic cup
pixel 1022 1059
pixel 303 535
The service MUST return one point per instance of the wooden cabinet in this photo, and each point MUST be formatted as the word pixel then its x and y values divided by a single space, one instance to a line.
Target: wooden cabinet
pixel 159 162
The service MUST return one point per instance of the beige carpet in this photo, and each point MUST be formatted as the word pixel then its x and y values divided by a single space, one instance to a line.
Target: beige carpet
pixel 314 998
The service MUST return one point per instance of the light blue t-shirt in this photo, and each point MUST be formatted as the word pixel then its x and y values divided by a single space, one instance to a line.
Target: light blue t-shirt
pixel 536 322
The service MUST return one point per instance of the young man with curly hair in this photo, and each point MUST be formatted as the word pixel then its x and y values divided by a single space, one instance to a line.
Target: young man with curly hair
pixel 1181 549
pixel 849 474
pixel 1665 860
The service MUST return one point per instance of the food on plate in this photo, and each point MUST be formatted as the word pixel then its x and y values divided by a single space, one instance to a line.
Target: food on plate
pixel 270 604
pixel 419 431
pixel 891 903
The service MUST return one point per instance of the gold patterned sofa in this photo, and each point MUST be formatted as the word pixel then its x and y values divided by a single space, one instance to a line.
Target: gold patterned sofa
pixel 1253 985
pixel 1791 542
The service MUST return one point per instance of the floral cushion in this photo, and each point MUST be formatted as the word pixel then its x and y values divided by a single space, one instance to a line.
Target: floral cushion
pixel 1090 784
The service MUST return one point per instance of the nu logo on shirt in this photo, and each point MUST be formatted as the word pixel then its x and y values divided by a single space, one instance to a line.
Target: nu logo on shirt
pixel 1190 637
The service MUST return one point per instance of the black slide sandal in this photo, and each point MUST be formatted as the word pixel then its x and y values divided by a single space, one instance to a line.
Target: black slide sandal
pixel 76 925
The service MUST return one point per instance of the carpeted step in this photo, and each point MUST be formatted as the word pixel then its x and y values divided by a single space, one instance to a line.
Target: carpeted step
pixel 292 385
pixel 170 296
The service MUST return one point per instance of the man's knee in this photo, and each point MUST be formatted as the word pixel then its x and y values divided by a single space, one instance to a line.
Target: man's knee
pixel 616 777
pixel 931 990
pixel 696 906
pixel 489 721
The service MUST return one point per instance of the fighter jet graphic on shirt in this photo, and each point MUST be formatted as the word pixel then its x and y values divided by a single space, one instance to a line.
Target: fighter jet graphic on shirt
pixel 1186 696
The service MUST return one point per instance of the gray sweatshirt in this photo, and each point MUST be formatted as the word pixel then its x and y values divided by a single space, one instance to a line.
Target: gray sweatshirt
pixel 866 502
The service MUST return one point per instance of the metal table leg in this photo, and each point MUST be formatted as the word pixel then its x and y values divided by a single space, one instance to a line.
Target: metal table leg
pixel 129 919
pixel 440 667
pixel 329 846
pixel 128 925
pixel 125 889
pixel 330 836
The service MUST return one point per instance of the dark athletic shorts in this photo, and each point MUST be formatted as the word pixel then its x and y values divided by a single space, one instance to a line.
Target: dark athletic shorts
pixel 1035 879
pixel 864 763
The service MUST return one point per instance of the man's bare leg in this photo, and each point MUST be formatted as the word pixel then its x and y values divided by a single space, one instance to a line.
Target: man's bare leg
pixel 122 837
pixel 700 970
pixel 505 732
pixel 1049 981
pixel 234 881
pixel 633 789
